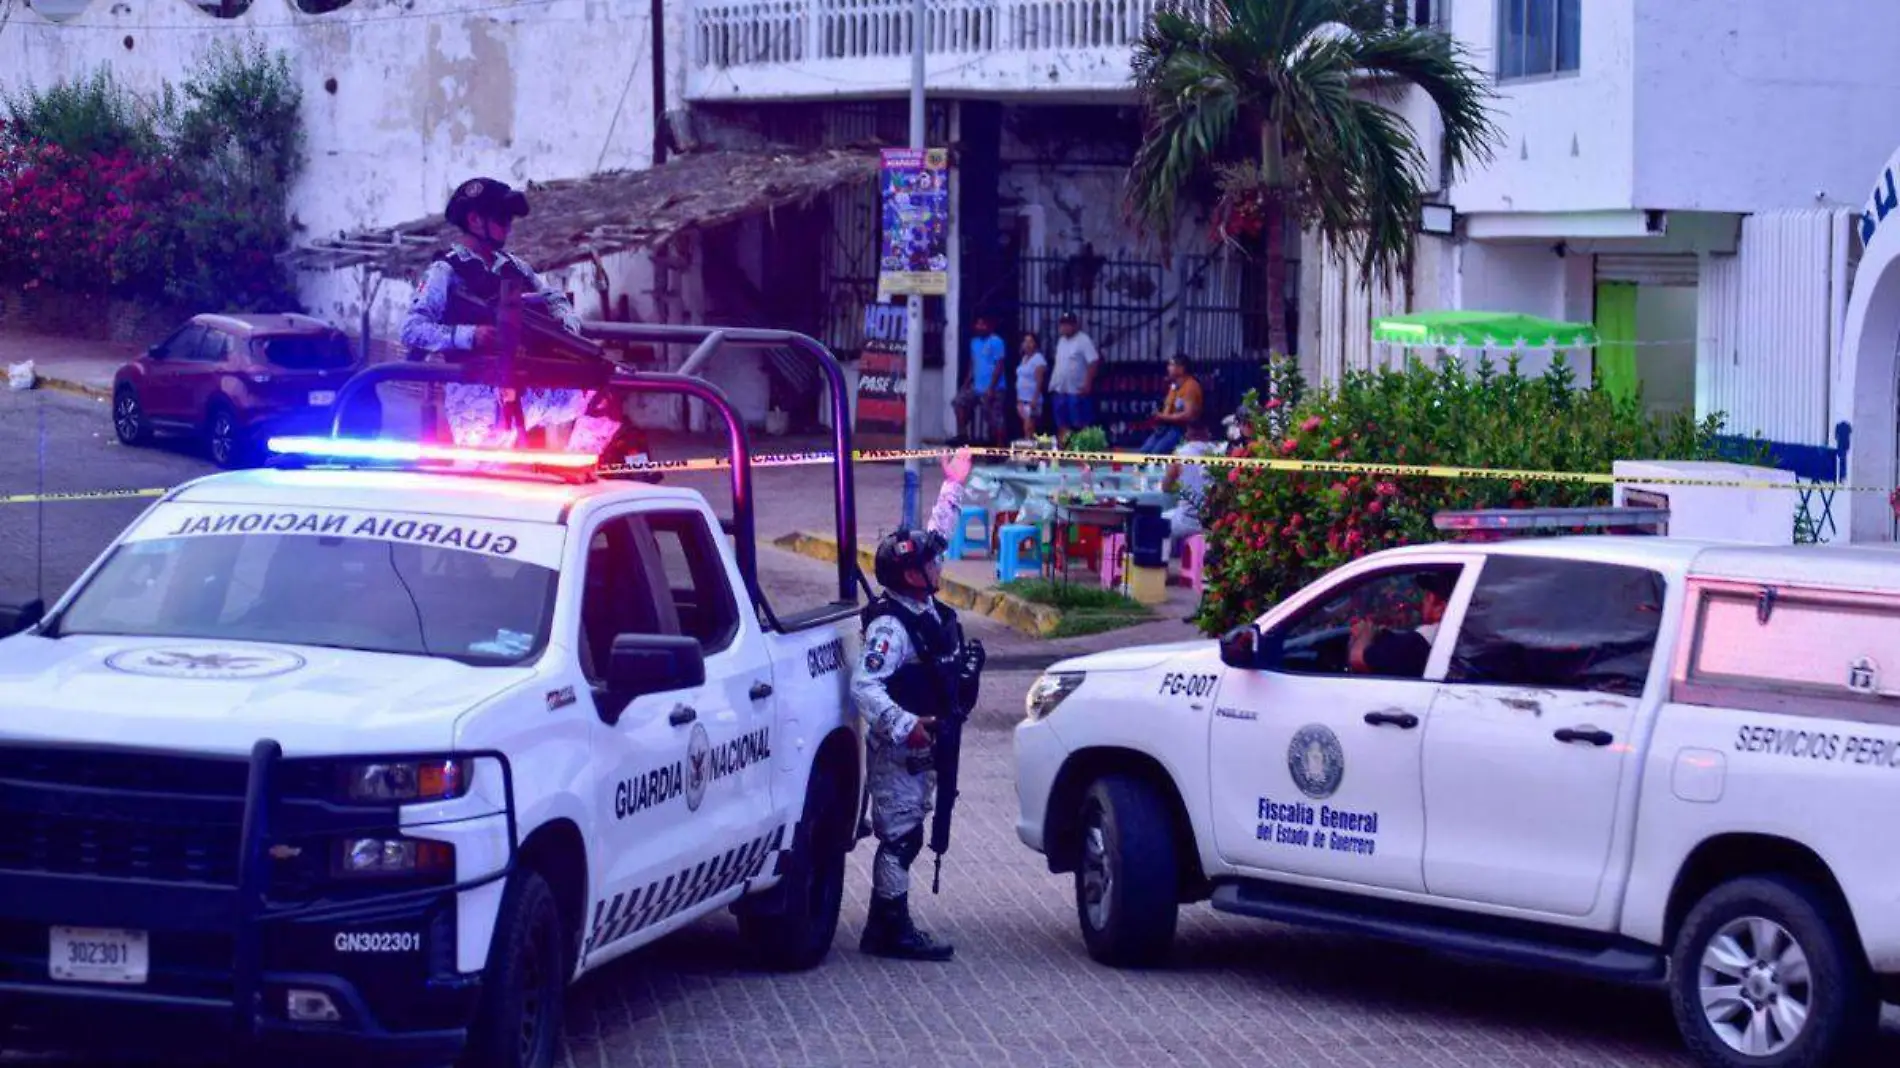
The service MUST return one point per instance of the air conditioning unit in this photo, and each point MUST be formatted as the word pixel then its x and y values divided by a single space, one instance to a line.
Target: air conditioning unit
pixel 1756 515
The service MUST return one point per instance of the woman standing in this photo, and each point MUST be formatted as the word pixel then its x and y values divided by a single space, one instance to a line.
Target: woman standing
pixel 1032 378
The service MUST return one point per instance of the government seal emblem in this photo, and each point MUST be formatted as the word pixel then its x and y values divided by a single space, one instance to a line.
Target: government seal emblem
pixel 1316 761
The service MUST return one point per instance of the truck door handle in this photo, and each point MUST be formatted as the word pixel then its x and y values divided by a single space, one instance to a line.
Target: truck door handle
pixel 1591 735
pixel 1402 720
pixel 682 715
pixel 761 691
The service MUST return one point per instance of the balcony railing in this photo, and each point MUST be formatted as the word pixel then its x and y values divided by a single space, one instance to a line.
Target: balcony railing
pixel 796 31
pixel 761 32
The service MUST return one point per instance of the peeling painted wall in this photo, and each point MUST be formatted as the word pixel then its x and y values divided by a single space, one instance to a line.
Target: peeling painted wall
pixel 401 101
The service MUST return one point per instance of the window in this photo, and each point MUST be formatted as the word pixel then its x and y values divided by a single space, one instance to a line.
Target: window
pixel 1401 606
pixel 619 593
pixel 181 346
pixel 695 576
pixel 1560 624
pixel 1537 38
pixel 297 352
pixel 215 348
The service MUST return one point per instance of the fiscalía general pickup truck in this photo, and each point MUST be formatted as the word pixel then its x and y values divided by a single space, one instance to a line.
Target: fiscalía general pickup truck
pixel 1642 758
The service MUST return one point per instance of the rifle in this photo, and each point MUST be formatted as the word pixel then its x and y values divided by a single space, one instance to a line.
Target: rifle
pixel 538 328
pixel 947 747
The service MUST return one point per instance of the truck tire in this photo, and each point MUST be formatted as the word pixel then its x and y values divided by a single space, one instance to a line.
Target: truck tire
pixel 1126 887
pixel 798 936
pixel 1766 973
pixel 519 1022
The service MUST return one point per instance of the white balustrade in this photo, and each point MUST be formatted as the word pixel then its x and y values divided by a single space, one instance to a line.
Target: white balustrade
pixel 793 31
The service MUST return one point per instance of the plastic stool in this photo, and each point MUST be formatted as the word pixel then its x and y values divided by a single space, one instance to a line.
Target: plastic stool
pixel 1193 556
pixel 1113 546
pixel 961 540
pixel 997 523
pixel 1009 557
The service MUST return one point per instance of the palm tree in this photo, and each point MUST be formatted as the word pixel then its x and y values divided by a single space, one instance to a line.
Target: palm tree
pixel 1280 107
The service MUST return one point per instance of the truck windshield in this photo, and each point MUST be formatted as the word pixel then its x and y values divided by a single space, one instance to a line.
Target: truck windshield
pixel 377 594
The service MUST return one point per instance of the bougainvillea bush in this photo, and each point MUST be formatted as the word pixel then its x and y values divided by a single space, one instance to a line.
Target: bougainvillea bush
pixel 181 199
pixel 1272 532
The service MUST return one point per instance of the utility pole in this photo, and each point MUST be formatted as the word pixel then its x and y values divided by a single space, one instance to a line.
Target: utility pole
pixel 914 323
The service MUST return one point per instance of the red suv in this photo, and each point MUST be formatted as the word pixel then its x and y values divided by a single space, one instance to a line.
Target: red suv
pixel 234 379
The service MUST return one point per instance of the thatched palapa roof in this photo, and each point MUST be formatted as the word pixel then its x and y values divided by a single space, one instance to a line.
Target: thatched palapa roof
pixel 618 211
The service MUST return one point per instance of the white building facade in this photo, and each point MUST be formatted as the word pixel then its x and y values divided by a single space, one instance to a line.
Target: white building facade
pixel 1690 175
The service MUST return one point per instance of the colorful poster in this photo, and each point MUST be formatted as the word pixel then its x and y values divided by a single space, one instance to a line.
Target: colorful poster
pixel 881 378
pixel 915 257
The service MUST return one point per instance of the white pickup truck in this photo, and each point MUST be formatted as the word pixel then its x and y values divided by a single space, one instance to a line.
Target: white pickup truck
pixel 1641 758
pixel 369 759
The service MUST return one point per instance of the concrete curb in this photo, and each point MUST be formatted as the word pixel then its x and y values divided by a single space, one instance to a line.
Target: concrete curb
pixel 1024 617
pixel 78 389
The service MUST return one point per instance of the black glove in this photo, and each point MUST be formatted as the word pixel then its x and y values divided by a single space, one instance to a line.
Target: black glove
pixel 969 670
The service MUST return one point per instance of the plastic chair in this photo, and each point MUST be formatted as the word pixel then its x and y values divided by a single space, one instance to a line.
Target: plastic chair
pixel 1010 557
pixel 961 540
pixel 1193 557
pixel 1113 546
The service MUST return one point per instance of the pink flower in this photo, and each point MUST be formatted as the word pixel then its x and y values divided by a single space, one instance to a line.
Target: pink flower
pixel 1313 422
pixel 1289 445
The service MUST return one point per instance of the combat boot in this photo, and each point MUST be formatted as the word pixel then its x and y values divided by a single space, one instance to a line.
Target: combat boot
pixel 903 941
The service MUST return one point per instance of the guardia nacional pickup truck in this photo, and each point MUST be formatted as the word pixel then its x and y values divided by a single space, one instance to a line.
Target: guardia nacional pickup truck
pixel 367 759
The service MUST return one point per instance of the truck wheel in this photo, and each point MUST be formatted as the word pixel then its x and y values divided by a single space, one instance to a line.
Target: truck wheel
pixel 1125 885
pixel 799 936
pixel 128 418
pixel 519 1022
pixel 1765 973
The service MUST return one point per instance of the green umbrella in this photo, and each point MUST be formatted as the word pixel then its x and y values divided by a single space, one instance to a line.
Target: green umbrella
pixel 1481 330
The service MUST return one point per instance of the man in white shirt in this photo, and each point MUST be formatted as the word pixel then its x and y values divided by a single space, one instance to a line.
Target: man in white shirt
pixel 1072 383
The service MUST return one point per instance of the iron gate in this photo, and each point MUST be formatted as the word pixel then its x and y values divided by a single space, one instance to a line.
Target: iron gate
pixel 1140 312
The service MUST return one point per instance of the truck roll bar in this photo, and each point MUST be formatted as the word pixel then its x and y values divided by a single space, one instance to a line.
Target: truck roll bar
pixel 708 342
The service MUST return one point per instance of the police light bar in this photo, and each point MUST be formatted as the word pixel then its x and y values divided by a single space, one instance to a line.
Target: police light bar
pixel 1513 519
pixel 415 452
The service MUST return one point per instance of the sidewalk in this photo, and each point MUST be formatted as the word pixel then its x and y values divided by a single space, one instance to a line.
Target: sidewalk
pixel 71 365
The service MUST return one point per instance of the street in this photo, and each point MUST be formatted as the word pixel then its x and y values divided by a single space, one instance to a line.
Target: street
pixel 1021 989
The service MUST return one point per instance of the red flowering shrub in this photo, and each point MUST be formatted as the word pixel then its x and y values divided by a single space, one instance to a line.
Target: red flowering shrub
pixel 1272 531
pixel 107 193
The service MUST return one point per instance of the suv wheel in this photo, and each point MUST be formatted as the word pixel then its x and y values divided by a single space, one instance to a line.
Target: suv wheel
pixel 519 1022
pixel 1128 904
pixel 128 418
pixel 799 936
pixel 1766 973
pixel 225 439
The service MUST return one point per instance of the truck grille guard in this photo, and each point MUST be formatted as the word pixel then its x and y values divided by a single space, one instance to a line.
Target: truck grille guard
pixel 243 911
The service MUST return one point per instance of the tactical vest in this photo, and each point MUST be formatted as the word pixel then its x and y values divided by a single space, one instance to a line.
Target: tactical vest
pixel 473 277
pixel 926 686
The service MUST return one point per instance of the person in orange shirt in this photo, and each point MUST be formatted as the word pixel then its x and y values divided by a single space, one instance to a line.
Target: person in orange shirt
pixel 1180 409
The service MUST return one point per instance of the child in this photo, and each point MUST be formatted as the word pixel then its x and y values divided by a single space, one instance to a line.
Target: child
pixel 1032 377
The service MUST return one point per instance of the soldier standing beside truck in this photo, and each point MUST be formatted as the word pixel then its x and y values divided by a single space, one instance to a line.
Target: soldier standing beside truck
pixel 914 683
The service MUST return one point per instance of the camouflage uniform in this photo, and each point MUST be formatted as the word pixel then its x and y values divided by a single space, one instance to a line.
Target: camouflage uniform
pixel 433 330
pixel 902 780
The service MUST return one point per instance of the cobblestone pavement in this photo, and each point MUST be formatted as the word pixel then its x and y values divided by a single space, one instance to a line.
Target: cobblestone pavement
pixel 1021 991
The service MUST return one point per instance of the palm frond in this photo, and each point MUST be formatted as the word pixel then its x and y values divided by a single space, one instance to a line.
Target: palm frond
pixel 1440 67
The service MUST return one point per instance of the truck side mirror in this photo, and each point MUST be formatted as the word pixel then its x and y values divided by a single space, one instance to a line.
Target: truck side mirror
pixel 1248 648
pixel 645 664
pixel 15 618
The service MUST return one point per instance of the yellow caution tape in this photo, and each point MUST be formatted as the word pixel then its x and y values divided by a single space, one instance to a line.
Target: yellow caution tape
pixel 1342 467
